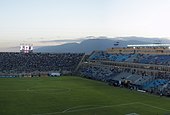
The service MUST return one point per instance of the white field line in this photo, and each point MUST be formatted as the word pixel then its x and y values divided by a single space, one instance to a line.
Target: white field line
pixel 38 90
pixel 153 106
pixel 84 109
pixel 100 107
pixel 46 91
pixel 79 107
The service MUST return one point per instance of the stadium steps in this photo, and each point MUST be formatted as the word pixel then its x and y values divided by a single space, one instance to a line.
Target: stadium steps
pixel 165 85
pixel 128 76
pixel 122 76
pixel 80 62
pixel 131 58
pixel 137 80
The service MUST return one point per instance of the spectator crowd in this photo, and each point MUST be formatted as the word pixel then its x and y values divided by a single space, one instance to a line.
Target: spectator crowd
pixel 42 62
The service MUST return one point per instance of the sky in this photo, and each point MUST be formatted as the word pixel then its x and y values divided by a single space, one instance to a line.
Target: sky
pixel 34 21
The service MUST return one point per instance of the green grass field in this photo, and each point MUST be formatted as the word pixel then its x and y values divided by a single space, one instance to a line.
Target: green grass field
pixel 74 96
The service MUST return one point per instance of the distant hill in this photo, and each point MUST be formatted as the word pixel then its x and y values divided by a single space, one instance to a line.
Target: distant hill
pixel 101 43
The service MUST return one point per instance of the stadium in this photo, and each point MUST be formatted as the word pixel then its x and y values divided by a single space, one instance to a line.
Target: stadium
pixel 132 80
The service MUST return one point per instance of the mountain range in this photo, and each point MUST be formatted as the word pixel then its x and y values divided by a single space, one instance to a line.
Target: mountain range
pixel 91 43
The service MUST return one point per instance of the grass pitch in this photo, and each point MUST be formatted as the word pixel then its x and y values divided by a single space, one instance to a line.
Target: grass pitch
pixel 74 96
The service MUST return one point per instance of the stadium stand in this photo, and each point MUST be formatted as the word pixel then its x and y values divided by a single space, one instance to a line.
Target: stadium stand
pixel 155 83
pixel 98 73
pixel 38 62
pixel 135 58
pixel 145 68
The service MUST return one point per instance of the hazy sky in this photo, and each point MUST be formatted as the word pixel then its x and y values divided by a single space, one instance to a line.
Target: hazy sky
pixel 36 20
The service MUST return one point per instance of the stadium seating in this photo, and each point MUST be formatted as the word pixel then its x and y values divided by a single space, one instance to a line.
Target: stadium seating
pixel 101 55
pixel 98 73
pixel 135 58
pixel 155 83
pixel 41 62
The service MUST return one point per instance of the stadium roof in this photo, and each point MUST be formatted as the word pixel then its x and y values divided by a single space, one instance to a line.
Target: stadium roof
pixel 150 45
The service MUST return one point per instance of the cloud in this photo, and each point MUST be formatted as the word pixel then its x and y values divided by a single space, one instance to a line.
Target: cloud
pixel 62 40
